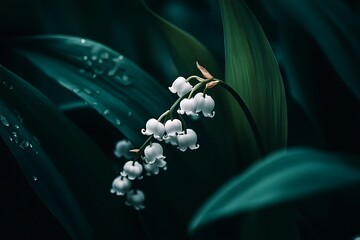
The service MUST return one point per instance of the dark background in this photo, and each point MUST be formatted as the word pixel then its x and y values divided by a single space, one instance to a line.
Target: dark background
pixel 322 103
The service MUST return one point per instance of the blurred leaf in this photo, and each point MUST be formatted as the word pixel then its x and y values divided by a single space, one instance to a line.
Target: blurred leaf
pixel 185 49
pixel 251 69
pixel 65 168
pixel 106 80
pixel 281 177
pixel 333 26
pixel 317 47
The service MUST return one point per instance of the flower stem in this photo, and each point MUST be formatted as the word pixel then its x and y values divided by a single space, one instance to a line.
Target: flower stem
pixel 248 116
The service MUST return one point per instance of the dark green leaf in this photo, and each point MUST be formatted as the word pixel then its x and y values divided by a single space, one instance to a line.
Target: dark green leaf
pixel 251 69
pixel 281 177
pixel 108 82
pixel 185 49
pixel 65 168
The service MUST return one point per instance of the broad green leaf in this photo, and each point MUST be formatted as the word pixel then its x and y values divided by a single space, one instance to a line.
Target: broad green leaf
pixel 281 177
pixel 65 168
pixel 184 48
pixel 251 69
pixel 108 82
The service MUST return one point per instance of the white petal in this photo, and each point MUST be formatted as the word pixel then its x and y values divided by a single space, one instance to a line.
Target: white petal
pixel 122 149
pixel 172 127
pixel 176 84
pixel 187 106
pixel 188 140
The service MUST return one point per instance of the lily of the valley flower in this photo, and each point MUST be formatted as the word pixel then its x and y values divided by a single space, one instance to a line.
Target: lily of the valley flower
pixel 171 139
pixel 205 104
pixel 153 152
pixel 136 199
pixel 155 127
pixel 180 86
pixel 121 185
pixel 173 127
pixel 132 170
pixel 122 149
pixel 188 106
pixel 154 168
pixel 187 140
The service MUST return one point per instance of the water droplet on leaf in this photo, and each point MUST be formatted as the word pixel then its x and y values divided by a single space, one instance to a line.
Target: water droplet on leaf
pixel 35 178
pixel 106 112
pixel 87 91
pixel 15 137
pixel 24 144
pixel 82 41
pixel 4 121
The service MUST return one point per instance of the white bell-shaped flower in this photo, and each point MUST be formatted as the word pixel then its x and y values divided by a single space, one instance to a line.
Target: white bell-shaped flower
pixel 121 185
pixel 205 104
pixel 187 140
pixel 122 149
pixel 173 127
pixel 132 170
pixel 136 199
pixel 153 152
pixel 180 86
pixel 171 139
pixel 188 106
pixel 153 126
pixel 153 169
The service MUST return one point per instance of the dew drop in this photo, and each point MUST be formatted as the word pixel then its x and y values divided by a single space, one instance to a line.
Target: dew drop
pixel 94 103
pixel 125 77
pixel 11 139
pixel 97 91
pixel 105 55
pixel 87 91
pixel 85 58
pixel 15 137
pixel 4 121
pixel 89 63
pixel 100 61
pixel 24 144
pixel 17 126
pixel 94 57
pixel 106 112
pixel 130 114
pixel 35 178
pixel 76 90
pixel 82 41
pixel 117 121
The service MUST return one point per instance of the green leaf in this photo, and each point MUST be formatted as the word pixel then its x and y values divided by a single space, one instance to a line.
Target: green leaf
pixel 65 168
pixel 107 81
pixel 251 69
pixel 184 48
pixel 281 177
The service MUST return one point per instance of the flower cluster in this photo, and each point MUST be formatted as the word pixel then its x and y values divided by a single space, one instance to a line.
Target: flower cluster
pixel 149 158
